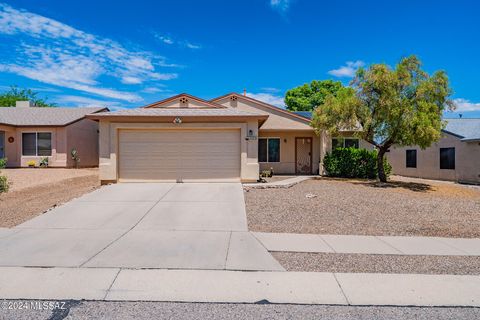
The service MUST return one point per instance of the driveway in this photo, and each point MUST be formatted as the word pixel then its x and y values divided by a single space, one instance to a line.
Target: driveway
pixel 142 225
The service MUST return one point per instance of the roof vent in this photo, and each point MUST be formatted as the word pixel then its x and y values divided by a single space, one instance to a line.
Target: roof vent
pixel 233 98
pixel 183 100
pixel 24 104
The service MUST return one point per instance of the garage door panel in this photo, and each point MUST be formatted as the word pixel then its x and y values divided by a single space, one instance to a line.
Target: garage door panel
pixel 179 155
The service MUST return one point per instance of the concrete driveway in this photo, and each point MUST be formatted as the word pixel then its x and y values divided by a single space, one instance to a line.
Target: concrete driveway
pixel 142 225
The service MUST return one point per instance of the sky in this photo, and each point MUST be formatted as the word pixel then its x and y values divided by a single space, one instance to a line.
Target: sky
pixel 124 54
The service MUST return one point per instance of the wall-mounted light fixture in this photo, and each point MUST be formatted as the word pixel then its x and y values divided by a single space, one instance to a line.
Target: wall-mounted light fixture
pixel 285 140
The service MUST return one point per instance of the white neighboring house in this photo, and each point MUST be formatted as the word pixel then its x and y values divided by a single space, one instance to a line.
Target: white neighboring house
pixel 456 157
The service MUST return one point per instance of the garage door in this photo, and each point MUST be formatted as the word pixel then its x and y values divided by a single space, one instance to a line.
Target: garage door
pixel 179 155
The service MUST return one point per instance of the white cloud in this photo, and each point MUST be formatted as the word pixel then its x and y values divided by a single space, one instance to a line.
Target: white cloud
pixel 464 105
pixel 79 101
pixel 270 89
pixel 281 6
pixel 154 90
pixel 170 40
pixel 348 70
pixel 55 53
pixel 268 98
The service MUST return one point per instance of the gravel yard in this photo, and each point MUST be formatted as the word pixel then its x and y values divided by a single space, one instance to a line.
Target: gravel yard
pixel 405 206
pixel 33 191
pixel 373 263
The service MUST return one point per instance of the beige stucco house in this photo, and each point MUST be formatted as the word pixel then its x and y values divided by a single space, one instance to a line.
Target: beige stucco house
pixel 455 157
pixel 230 138
pixel 31 133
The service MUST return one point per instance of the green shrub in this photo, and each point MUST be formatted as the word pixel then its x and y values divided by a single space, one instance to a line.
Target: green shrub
pixel 3 163
pixel 3 184
pixel 353 163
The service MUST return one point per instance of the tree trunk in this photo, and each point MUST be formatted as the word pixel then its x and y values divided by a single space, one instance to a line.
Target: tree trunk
pixel 381 169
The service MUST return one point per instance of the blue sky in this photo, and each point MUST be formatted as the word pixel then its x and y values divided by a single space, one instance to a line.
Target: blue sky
pixel 131 53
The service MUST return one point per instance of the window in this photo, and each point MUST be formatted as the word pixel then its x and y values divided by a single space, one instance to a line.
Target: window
pixel 411 158
pixel 269 150
pixel 345 143
pixel 447 158
pixel 37 144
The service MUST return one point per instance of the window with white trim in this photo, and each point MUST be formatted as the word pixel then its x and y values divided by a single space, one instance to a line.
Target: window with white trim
pixel 269 150
pixel 37 143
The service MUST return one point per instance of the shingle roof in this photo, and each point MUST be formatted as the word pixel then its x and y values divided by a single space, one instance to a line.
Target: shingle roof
pixel 467 129
pixel 35 116
pixel 178 112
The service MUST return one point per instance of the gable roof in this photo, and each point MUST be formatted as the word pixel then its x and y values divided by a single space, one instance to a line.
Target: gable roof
pixel 177 112
pixel 36 116
pixel 207 104
pixel 465 129
pixel 264 104
pixel 305 114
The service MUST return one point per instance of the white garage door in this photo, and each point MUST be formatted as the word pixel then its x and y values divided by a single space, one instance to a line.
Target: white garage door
pixel 179 155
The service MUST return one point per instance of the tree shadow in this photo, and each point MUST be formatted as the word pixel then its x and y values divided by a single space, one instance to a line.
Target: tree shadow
pixel 412 186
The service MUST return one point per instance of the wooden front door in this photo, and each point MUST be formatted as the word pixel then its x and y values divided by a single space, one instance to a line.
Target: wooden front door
pixel 2 144
pixel 303 155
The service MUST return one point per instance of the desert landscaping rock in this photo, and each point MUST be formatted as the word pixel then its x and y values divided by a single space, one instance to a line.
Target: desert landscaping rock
pixel 421 208
pixel 22 204
pixel 374 263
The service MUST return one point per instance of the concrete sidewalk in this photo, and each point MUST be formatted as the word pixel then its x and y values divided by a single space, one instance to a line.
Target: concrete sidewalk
pixel 290 242
pixel 286 183
pixel 239 287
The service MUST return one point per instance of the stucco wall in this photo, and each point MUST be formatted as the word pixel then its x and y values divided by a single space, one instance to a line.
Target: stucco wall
pixel 467 161
pixel 109 144
pixel 83 136
pixel 287 151
pixel 14 150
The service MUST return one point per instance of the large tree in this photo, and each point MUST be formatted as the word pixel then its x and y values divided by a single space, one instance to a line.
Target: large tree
pixel 308 96
pixel 8 98
pixel 387 106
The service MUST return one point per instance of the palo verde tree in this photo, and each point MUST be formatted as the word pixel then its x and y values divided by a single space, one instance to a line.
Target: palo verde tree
pixel 387 106
pixel 8 98
pixel 310 95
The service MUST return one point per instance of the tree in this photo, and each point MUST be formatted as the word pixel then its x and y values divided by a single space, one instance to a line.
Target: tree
pixel 386 106
pixel 308 96
pixel 8 98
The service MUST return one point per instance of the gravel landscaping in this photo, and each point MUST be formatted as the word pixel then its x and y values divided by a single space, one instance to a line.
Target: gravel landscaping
pixel 372 263
pixel 405 206
pixel 36 190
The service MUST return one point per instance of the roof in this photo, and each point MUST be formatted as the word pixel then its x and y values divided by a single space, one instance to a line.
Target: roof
pixel 267 105
pixel 206 103
pixel 466 129
pixel 176 112
pixel 37 116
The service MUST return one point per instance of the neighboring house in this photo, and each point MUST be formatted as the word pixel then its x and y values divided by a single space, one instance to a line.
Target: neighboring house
pixel 455 157
pixel 32 133
pixel 230 138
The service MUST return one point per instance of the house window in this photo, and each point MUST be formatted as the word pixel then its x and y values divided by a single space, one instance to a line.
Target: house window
pixel 269 150
pixel 36 144
pixel 345 143
pixel 447 158
pixel 411 158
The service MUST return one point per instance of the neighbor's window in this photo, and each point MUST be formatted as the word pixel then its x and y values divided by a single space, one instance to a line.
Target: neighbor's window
pixel 36 144
pixel 345 143
pixel 411 158
pixel 447 158
pixel 269 150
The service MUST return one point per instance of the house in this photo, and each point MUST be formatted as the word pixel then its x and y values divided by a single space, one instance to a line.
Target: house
pixel 455 157
pixel 229 138
pixel 29 133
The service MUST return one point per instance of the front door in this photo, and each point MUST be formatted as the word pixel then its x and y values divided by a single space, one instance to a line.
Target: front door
pixel 303 155
pixel 2 144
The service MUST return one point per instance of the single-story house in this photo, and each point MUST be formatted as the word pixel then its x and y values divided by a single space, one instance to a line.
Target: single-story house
pixel 455 157
pixel 29 133
pixel 229 138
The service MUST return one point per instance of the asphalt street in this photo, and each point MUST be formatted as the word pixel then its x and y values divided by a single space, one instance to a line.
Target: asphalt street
pixel 206 311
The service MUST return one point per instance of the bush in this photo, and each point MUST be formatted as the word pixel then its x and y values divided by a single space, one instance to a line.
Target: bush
pixel 353 163
pixel 3 163
pixel 3 184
